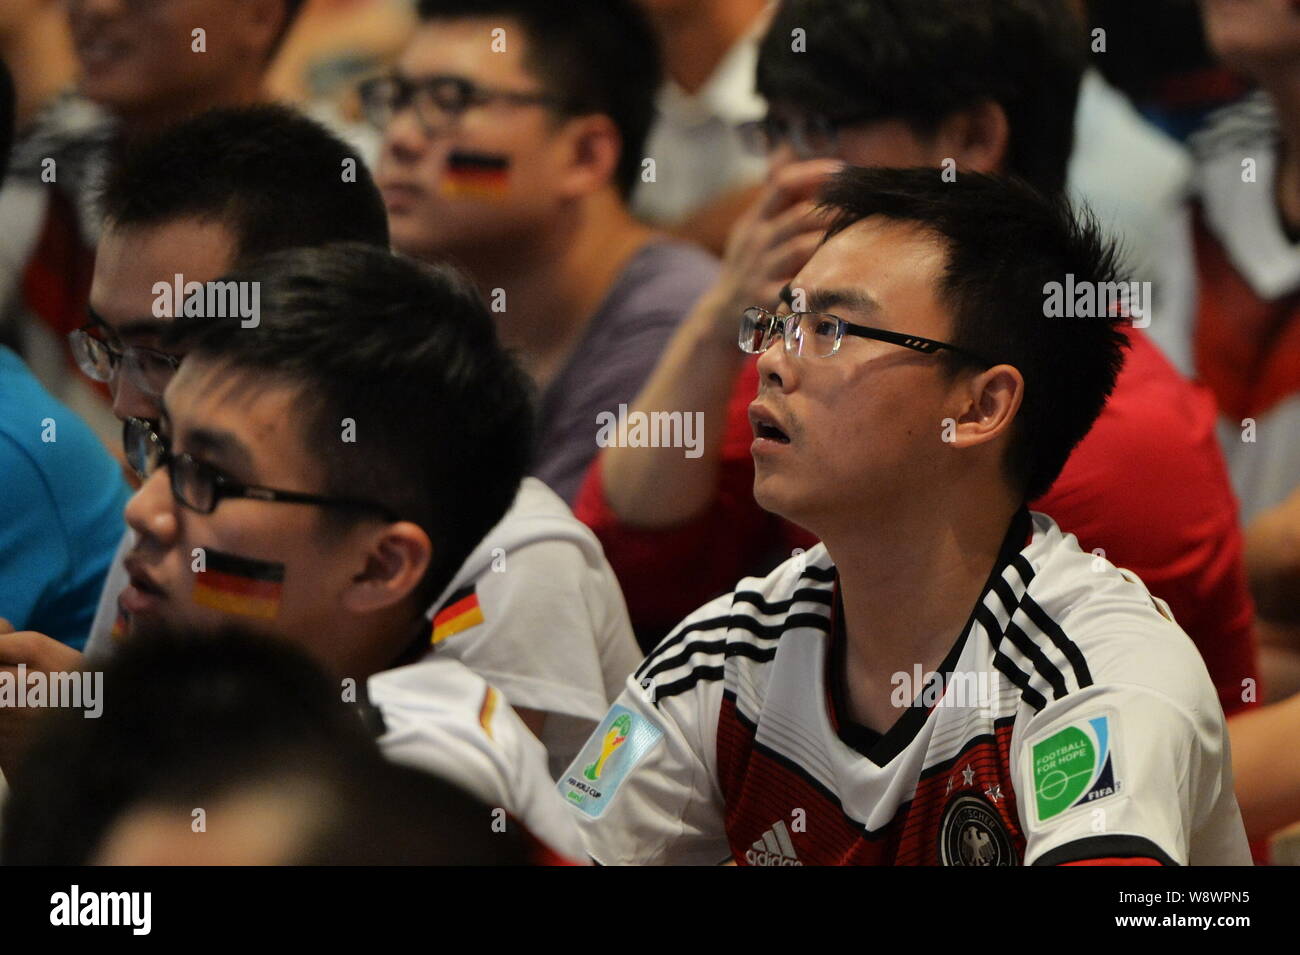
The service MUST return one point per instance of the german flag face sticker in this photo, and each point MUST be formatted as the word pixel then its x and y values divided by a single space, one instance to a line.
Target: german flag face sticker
pixel 460 612
pixel 476 176
pixel 239 585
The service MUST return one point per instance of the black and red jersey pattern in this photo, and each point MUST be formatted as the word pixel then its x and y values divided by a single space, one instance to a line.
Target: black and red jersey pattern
pixel 761 788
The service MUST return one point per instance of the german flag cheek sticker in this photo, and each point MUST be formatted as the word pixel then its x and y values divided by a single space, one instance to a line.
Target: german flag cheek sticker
pixel 476 176
pixel 239 585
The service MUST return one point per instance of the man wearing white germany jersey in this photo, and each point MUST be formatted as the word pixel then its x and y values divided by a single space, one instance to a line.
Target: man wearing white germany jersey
pixel 946 678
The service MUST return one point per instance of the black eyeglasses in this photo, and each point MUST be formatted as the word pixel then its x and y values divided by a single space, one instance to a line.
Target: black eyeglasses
pixel 811 136
pixel 201 487
pixel 149 370
pixel 817 335
pixel 438 100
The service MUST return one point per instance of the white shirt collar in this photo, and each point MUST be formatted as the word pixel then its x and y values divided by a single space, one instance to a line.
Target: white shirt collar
pixel 728 94
pixel 1245 219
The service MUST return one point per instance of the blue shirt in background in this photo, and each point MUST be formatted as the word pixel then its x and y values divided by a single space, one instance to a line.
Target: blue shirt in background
pixel 61 501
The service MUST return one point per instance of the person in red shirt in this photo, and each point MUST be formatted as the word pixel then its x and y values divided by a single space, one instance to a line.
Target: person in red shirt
pixel 1237 330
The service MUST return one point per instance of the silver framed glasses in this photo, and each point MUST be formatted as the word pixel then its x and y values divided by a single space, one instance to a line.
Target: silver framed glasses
pixel 819 335
pixel 148 369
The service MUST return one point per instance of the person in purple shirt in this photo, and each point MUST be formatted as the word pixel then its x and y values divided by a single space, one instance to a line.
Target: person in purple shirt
pixel 513 134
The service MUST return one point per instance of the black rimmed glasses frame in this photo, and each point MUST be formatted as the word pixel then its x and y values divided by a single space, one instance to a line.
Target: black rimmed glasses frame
pixel 811 136
pixel 819 335
pixel 438 100
pixel 201 487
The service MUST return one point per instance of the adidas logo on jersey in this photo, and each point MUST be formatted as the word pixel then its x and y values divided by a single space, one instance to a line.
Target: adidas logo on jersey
pixel 775 848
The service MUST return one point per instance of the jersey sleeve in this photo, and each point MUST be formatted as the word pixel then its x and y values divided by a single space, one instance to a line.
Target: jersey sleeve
pixel 644 787
pixel 1121 774
pixel 426 733
pixel 441 718
pixel 538 641
pixel 532 792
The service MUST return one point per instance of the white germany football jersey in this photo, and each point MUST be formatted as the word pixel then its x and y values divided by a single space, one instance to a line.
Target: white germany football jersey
pixel 441 717
pixel 1072 721
pixel 537 611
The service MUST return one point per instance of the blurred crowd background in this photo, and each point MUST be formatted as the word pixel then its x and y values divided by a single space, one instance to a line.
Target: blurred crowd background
pixel 1149 90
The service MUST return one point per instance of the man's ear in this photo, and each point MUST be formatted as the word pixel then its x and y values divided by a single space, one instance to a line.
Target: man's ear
pixel 992 398
pixel 397 555
pixel 978 138
pixel 592 146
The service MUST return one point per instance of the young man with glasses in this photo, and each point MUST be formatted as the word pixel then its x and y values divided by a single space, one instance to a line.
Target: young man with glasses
pixel 514 132
pixel 288 487
pixel 948 678
pixel 286 491
pixel 227 185
pixel 191 201
pixel 535 608
pixel 869 67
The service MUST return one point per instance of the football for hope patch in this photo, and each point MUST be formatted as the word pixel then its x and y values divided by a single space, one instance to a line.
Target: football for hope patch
pixel 621 740
pixel 1074 766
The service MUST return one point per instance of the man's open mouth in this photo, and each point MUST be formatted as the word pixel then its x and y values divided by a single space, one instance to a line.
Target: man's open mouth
pixel 137 573
pixel 770 432
pixel 146 586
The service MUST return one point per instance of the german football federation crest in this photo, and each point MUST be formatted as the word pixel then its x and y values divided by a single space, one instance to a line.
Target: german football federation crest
pixel 972 833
